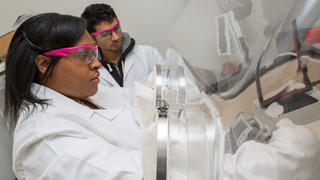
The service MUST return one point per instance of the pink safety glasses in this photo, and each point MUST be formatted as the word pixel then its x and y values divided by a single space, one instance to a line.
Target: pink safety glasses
pixel 108 31
pixel 83 53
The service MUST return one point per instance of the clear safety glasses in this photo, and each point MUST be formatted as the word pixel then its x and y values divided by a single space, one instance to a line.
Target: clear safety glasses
pixel 82 53
pixel 104 33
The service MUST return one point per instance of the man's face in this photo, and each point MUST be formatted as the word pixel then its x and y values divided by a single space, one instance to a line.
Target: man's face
pixel 109 40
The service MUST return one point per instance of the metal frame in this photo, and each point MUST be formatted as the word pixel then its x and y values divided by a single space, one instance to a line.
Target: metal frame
pixel 162 121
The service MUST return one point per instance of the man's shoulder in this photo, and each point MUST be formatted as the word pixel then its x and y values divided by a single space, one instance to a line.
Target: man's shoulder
pixel 146 50
pixel 143 47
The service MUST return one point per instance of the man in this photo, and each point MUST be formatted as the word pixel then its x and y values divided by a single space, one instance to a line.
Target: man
pixel 124 62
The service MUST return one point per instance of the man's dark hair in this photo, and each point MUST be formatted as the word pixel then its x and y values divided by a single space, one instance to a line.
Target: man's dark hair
pixel 96 13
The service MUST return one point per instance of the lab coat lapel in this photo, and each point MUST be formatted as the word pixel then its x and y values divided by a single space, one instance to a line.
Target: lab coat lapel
pixel 129 62
pixel 110 114
pixel 105 122
pixel 115 123
pixel 107 79
pixel 109 97
pixel 117 119
pixel 119 127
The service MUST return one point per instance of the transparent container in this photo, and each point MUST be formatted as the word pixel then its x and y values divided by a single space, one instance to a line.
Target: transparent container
pixel 189 135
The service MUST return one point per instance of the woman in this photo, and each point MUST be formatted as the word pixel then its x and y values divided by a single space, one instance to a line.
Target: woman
pixel 51 70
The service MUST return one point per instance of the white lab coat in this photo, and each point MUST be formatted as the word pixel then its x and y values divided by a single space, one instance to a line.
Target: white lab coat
pixel 70 141
pixel 138 65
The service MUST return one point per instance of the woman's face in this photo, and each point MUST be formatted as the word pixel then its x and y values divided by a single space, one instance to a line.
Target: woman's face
pixel 73 77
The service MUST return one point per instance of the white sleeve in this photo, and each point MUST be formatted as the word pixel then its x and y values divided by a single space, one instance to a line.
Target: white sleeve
pixel 76 157
pixel 293 153
pixel 92 159
pixel 157 56
pixel 153 57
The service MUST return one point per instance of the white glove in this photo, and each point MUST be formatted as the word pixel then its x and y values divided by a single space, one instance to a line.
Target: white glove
pixel 292 154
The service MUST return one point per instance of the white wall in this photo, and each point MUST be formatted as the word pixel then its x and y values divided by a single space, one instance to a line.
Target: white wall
pixel 148 21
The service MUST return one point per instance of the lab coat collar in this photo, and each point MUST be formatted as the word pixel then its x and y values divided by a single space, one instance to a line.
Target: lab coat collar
pixel 111 102
pixel 109 98
pixel 61 101
pixel 106 76
pixel 128 65
pixel 110 114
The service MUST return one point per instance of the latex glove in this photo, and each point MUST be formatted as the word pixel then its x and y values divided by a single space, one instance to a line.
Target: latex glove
pixel 293 153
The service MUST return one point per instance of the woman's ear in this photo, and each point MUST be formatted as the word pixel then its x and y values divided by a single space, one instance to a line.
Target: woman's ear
pixel 42 63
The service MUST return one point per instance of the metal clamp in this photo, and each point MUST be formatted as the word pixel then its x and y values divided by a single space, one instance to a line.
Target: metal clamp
pixel 163 74
pixel 162 107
